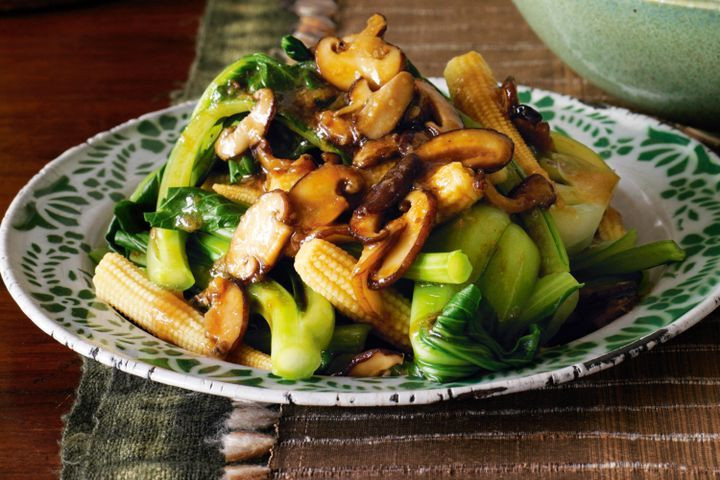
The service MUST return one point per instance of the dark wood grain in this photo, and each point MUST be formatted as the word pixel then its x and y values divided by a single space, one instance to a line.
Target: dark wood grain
pixel 66 74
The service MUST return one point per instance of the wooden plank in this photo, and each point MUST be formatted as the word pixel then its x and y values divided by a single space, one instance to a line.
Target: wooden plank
pixel 67 74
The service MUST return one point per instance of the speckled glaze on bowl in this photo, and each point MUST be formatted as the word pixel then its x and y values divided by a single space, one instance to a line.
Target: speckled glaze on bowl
pixel 662 57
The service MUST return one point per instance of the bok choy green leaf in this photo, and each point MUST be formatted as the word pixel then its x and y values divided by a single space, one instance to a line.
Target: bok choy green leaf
pixel 456 345
pixel 191 209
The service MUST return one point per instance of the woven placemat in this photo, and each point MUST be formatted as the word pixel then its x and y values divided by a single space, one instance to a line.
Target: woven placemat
pixel 656 416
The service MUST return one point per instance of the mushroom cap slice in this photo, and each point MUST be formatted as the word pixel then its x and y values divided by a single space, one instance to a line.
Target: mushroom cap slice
pixel 249 132
pixel 285 180
pixel 367 219
pixel 364 55
pixel 445 116
pixel 282 173
pixel 367 226
pixel 374 174
pixel 528 121
pixel 418 221
pixel 357 97
pixel 386 106
pixel 336 234
pixel 227 319
pixel 373 363
pixel 259 238
pixel 263 153
pixel 339 130
pixel 320 196
pixel 477 148
pixel 373 152
pixel 534 191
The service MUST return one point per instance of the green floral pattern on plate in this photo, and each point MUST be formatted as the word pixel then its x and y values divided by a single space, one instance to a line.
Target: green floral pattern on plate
pixel 63 211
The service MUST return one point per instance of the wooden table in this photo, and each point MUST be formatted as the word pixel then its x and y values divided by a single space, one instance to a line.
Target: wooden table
pixel 65 75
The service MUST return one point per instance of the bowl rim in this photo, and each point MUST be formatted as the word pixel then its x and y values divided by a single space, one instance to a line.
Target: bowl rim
pixel 695 4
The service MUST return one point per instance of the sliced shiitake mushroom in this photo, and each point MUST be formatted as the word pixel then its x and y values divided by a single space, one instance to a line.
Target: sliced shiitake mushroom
pixel 227 318
pixel 282 173
pixel 508 96
pixel 370 300
pixel 357 97
pixel 534 191
pixel 373 363
pixel 337 234
pixel 477 148
pixel 337 129
pixel 367 220
pixel 285 180
pixel 531 127
pixel 600 303
pixel 367 226
pixel 365 55
pixel 259 238
pixel 373 175
pixel 249 132
pixel 330 158
pixel 445 117
pixel 321 196
pixel 419 216
pixel 385 107
pixel 263 153
pixel 373 152
pixel 527 120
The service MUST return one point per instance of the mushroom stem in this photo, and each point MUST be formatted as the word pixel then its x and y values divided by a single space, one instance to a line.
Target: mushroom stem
pixel 445 116
pixel 534 191
pixel 419 207
pixel 367 219
pixel 371 300
pixel 234 141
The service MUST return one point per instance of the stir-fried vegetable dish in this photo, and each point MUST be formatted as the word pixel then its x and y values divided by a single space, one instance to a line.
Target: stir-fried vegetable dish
pixel 338 214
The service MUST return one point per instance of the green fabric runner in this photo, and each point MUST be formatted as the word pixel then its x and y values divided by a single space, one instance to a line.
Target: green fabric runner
pixel 231 29
pixel 126 427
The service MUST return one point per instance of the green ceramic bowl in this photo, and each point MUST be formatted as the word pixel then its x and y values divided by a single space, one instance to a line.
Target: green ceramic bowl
pixel 662 57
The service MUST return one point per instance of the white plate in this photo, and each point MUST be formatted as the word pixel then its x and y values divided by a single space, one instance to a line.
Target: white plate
pixel 669 189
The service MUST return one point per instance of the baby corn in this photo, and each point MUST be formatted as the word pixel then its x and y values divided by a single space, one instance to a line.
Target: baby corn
pixel 454 188
pixel 124 286
pixel 475 92
pixel 250 357
pixel 326 268
pixel 245 193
